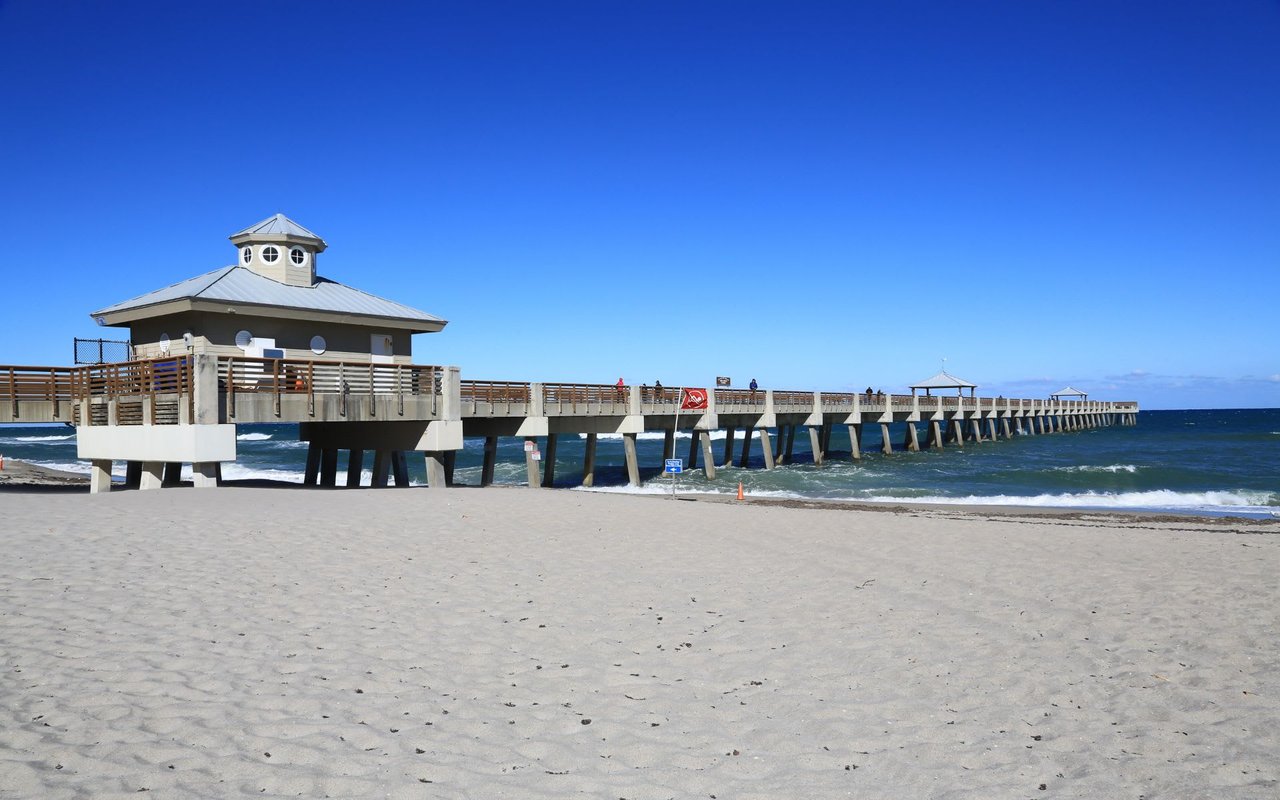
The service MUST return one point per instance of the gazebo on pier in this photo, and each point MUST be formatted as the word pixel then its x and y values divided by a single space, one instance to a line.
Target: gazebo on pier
pixel 944 380
pixel 1069 394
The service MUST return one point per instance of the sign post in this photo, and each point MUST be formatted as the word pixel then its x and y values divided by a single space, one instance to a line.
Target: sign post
pixel 674 466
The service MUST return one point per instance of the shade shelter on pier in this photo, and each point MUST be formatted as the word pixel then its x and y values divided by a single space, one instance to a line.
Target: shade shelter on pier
pixel 1069 394
pixel 944 380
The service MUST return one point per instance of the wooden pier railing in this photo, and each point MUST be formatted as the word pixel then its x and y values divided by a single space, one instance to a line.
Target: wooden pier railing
pixel 166 382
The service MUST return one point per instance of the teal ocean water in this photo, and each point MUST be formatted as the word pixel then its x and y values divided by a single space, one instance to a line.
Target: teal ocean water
pixel 1207 462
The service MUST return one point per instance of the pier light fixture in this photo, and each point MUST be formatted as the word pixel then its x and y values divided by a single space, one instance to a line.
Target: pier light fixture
pixel 164 343
pixel 244 340
pixel 318 345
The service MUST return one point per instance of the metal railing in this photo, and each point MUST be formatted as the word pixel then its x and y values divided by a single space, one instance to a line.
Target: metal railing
pixel 588 398
pixel 282 377
pixel 731 400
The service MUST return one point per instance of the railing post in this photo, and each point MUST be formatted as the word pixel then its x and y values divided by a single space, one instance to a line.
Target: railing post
pixel 311 388
pixel 275 383
pixel 373 406
pixel 342 388
pixel 204 390
pixel 399 390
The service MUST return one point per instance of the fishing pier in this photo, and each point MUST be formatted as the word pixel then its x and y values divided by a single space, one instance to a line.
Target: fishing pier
pixel 157 414
pixel 268 340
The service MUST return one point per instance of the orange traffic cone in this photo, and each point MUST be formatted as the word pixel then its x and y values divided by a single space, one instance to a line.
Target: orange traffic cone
pixel 739 490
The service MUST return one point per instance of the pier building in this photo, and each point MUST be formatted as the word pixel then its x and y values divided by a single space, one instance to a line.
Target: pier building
pixel 267 340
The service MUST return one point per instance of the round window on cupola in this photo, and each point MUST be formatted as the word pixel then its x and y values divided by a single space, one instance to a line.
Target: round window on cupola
pixel 271 254
pixel 246 255
pixel 298 256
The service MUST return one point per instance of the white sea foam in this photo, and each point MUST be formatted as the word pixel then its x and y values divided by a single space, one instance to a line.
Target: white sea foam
pixel 1241 501
pixel 44 438
pixel 1097 468
pixel 253 437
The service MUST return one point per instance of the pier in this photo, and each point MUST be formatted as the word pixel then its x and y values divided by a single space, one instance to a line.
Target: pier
pixel 157 414
pixel 269 340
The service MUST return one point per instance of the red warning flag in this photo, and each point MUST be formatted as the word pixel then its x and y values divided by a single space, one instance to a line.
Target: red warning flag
pixel 693 400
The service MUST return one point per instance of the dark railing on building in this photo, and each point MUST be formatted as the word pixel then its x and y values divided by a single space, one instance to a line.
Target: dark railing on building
pixel 102 351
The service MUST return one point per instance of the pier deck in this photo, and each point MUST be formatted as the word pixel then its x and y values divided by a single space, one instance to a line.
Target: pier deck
pixel 159 412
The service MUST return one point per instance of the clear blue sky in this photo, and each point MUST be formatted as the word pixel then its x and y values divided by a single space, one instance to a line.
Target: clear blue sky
pixel 818 195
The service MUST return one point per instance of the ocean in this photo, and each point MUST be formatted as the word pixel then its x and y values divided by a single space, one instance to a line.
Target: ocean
pixel 1214 462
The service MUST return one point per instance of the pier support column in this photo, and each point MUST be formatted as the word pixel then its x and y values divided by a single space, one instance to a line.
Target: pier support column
pixel 589 461
pixel 693 451
pixel 766 447
pixel 935 434
pixel 400 469
pixel 381 468
pixel 779 445
pixel 912 440
pixel 855 441
pixel 815 441
pixel 886 443
pixel 748 435
pixel 1004 426
pixel 1038 422
pixel 436 478
pixel 329 467
pixel 728 446
pixel 530 464
pixel 152 475
pixel 633 463
pixel 204 474
pixel 668 444
pixel 825 430
pixel 133 475
pixel 708 465
pixel 491 459
pixel 549 461
pixel 172 474
pixel 955 432
pixel 355 466
pixel 100 476
pixel 312 475
pixel 991 429
pixel 977 430
pixel 450 461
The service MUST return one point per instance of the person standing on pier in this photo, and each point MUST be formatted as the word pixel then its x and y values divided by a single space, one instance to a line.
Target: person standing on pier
pixel 622 389
pixel 657 390
pixel 754 386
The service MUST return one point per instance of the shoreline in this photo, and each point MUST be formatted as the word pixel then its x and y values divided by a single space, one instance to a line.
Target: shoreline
pixel 22 476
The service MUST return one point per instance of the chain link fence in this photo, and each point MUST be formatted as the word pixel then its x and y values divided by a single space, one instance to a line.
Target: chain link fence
pixel 102 351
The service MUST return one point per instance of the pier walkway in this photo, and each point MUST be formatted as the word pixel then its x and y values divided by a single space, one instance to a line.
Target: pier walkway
pixel 160 413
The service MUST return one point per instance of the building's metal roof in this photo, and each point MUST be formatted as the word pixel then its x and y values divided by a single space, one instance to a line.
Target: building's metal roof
pixel 1069 392
pixel 241 285
pixel 944 380
pixel 277 225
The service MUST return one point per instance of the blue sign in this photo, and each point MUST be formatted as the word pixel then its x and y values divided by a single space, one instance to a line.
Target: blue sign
pixel 675 465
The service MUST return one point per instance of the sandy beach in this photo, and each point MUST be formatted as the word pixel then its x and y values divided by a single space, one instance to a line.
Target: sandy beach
pixel 530 643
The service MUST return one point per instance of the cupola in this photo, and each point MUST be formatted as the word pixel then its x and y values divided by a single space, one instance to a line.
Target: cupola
pixel 280 249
